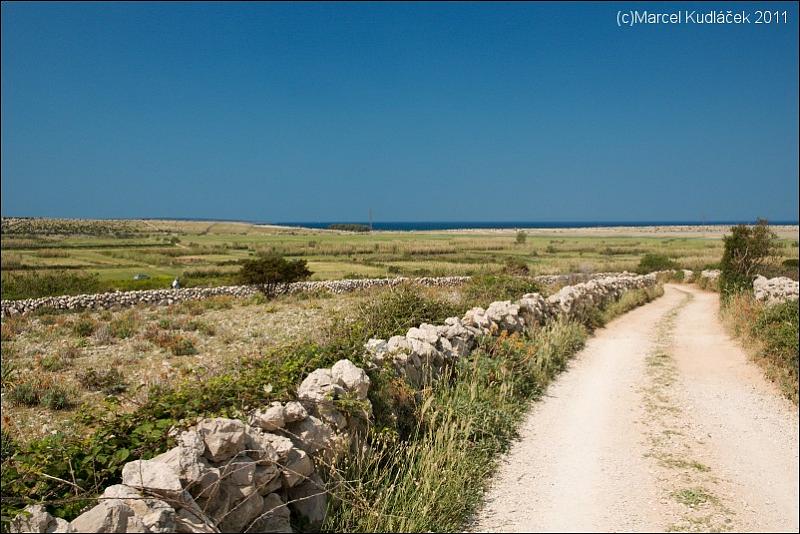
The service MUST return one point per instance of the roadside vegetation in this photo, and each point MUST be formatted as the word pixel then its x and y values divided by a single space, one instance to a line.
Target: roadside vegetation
pixel 68 466
pixel 770 332
pixel 426 470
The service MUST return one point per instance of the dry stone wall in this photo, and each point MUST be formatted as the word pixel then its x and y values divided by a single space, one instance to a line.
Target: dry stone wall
pixel 102 301
pixel 164 297
pixel 775 290
pixel 227 475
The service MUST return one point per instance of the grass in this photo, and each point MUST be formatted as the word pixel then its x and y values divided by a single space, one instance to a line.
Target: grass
pixel 694 497
pixel 432 481
pixel 48 257
pixel 93 459
pixel 432 478
pixel 770 334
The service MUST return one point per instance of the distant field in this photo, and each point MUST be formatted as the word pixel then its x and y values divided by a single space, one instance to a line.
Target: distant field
pixel 110 253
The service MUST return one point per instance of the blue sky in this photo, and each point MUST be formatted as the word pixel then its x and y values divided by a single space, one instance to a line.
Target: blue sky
pixel 436 112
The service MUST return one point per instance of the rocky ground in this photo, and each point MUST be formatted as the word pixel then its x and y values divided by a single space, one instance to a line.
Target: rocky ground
pixel 120 354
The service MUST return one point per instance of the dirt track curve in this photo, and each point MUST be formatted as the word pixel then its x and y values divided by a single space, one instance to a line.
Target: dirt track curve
pixel 660 424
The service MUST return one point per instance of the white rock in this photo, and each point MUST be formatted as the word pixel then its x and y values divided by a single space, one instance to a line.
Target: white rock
pixel 35 518
pixel 224 438
pixel 294 411
pixel 152 476
pixel 351 378
pixel 271 418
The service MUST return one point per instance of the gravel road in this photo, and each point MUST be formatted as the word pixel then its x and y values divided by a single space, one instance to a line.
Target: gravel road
pixel 660 424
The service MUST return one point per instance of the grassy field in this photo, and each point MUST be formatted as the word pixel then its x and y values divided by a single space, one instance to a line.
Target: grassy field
pixel 108 254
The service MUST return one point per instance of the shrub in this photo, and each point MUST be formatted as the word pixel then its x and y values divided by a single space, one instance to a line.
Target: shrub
pixel 272 271
pixel 109 382
pixel 516 266
pixel 84 326
pixel 124 326
pixel 521 237
pixel 655 262
pixel 55 362
pixel 39 391
pixel 748 249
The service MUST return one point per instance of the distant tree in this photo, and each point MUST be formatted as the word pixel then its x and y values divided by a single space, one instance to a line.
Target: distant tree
pixel 521 237
pixel 748 251
pixel 272 272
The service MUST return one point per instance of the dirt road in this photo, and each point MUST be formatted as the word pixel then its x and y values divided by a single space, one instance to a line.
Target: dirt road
pixel 661 423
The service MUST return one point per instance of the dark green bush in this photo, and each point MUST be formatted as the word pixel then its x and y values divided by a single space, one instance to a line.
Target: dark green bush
pixel 272 272
pixel 655 262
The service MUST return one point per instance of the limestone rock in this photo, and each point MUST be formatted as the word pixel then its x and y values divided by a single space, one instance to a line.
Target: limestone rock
pixel 308 500
pixel 311 434
pixel 271 418
pixel 297 468
pixel 152 476
pixel 294 411
pixel 35 518
pixel 351 378
pixel 224 438
pixel 274 516
pixel 108 516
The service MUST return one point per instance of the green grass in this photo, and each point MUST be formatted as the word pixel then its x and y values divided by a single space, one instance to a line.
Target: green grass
pixel 66 250
pixel 432 481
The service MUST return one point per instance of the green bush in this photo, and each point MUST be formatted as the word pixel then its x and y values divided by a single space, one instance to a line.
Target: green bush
pixel 655 262
pixel 748 250
pixel 777 328
pixel 272 271
pixel 521 237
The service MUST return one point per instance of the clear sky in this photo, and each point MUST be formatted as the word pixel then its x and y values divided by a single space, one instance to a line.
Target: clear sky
pixel 435 112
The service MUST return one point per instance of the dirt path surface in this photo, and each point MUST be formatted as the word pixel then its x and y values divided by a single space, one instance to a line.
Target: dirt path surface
pixel 660 424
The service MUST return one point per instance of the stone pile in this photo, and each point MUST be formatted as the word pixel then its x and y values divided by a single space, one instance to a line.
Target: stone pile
pixel 712 275
pixel 226 475
pixel 103 301
pixel 229 476
pixel 775 290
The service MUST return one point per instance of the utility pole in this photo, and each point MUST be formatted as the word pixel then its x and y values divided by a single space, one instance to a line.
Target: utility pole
pixel 370 219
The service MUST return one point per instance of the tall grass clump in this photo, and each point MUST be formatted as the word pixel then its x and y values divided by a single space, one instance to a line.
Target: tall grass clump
pixel 433 480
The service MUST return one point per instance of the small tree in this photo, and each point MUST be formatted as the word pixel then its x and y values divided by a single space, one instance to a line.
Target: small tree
pixel 273 272
pixel 521 237
pixel 748 251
